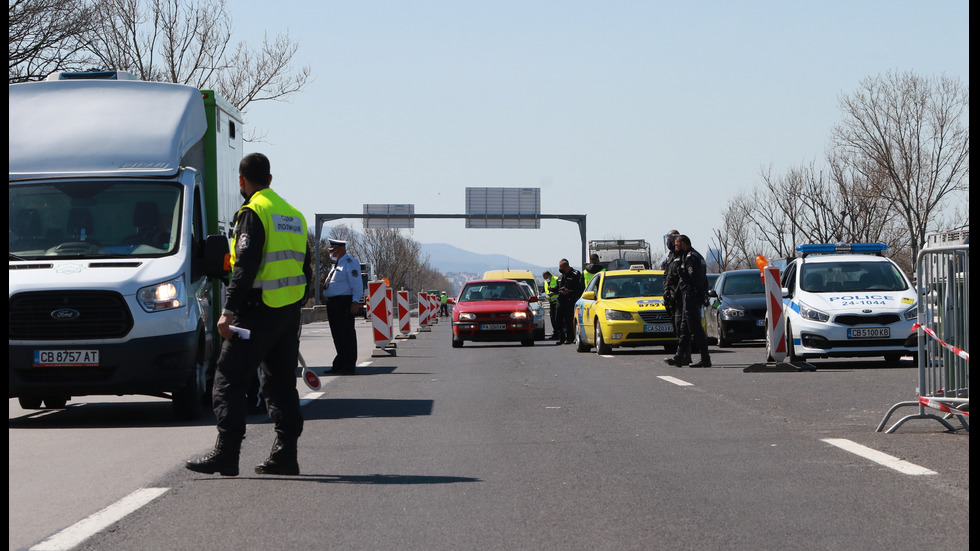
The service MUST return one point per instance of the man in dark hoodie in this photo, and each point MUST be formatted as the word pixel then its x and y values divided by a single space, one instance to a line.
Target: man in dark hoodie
pixel 592 268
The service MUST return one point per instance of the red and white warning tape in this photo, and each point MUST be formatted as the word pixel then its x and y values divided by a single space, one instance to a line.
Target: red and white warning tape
pixel 958 351
pixel 931 403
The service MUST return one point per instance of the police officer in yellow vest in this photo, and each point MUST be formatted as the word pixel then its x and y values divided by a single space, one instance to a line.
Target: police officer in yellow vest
pixel 551 289
pixel 270 262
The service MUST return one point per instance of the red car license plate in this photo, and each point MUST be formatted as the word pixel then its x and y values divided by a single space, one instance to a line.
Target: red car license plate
pixel 493 326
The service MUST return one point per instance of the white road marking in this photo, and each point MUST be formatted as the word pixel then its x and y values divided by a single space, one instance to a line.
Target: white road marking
pixel 675 380
pixel 310 396
pixel 889 461
pixel 87 527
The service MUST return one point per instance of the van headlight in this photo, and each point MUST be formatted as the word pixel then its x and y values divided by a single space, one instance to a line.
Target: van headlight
pixel 812 314
pixel 162 296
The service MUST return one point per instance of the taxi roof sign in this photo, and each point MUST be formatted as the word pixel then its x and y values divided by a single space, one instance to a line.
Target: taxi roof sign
pixel 831 248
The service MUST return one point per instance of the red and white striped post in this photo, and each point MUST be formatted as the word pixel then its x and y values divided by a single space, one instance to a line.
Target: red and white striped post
pixel 423 312
pixel 404 314
pixel 776 316
pixel 380 309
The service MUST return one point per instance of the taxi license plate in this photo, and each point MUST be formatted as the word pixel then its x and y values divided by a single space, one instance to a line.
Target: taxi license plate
pixel 659 328
pixel 869 333
pixel 493 326
pixel 71 358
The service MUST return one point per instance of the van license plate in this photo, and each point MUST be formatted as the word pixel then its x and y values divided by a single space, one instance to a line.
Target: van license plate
pixel 72 358
pixel 869 333
pixel 493 326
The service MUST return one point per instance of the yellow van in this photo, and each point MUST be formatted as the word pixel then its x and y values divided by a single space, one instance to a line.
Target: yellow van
pixel 517 275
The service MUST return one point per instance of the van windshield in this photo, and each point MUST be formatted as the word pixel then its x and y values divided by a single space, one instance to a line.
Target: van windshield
pixel 99 219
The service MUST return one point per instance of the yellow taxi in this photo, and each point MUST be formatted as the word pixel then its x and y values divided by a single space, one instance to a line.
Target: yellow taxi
pixel 623 308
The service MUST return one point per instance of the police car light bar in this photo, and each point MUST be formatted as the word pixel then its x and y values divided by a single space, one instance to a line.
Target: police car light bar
pixel 825 248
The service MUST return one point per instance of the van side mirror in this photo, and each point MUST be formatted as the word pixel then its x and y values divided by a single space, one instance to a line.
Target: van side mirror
pixel 216 255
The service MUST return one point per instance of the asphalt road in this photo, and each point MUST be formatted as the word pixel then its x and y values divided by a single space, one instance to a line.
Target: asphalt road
pixel 499 446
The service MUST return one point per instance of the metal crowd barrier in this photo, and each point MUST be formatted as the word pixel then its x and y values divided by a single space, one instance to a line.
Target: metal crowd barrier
pixel 943 325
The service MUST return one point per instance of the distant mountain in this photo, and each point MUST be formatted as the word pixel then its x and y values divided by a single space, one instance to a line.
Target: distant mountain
pixel 447 259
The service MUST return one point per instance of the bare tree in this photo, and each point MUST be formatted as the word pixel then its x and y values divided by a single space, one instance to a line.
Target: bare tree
pixel 910 134
pixel 187 42
pixel 46 36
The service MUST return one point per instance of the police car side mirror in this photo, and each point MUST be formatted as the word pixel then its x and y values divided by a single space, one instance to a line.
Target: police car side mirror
pixel 785 292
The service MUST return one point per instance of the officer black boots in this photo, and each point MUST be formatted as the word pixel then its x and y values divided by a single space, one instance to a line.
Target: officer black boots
pixel 223 459
pixel 282 458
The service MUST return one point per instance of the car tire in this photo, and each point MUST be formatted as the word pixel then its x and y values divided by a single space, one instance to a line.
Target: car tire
pixel 188 401
pixel 528 342
pixel 791 354
pixel 457 342
pixel 30 402
pixel 893 358
pixel 769 357
pixel 601 348
pixel 55 402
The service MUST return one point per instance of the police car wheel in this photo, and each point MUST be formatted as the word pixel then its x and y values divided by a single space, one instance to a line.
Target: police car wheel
pixel 790 349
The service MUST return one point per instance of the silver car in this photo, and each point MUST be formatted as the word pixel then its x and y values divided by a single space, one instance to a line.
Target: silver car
pixel 536 310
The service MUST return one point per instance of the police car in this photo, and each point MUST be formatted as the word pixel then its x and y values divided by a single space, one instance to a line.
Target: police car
pixel 847 300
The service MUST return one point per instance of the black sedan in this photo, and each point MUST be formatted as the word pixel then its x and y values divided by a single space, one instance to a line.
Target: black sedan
pixel 737 309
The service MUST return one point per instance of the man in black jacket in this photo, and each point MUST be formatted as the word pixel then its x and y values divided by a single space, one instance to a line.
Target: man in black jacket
pixel 692 289
pixel 570 288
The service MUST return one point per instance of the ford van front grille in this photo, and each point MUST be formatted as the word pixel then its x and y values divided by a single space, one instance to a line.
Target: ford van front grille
pixel 68 315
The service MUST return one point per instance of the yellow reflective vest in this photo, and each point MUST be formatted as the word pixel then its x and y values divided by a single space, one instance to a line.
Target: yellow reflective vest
pixel 551 285
pixel 280 275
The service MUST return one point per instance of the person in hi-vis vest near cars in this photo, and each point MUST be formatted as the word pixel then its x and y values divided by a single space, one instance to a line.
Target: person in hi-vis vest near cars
pixel 270 263
pixel 551 290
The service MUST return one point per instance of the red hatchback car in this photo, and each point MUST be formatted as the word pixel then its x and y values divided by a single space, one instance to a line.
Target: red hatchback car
pixel 493 310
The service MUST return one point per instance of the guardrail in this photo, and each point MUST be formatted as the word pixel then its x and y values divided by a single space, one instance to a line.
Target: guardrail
pixel 943 281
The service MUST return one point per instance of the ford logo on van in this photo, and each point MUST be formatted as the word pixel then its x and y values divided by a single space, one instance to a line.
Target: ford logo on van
pixel 65 314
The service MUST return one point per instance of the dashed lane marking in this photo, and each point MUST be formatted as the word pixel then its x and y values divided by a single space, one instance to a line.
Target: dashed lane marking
pixel 675 380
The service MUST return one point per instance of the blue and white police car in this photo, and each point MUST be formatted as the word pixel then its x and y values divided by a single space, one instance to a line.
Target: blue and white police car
pixel 847 300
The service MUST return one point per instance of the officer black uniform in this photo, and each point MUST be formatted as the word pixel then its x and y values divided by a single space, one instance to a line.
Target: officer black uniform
pixel 267 300
pixel 692 289
pixel 570 288
pixel 343 293
pixel 671 268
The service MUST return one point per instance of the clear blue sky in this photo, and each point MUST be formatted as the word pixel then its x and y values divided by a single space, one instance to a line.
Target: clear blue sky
pixel 644 115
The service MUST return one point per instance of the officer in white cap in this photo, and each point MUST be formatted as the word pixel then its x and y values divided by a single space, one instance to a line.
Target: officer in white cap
pixel 343 293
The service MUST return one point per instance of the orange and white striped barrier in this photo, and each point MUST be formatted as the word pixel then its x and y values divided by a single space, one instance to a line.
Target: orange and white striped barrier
pixel 380 308
pixel 404 314
pixel 776 327
pixel 423 312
